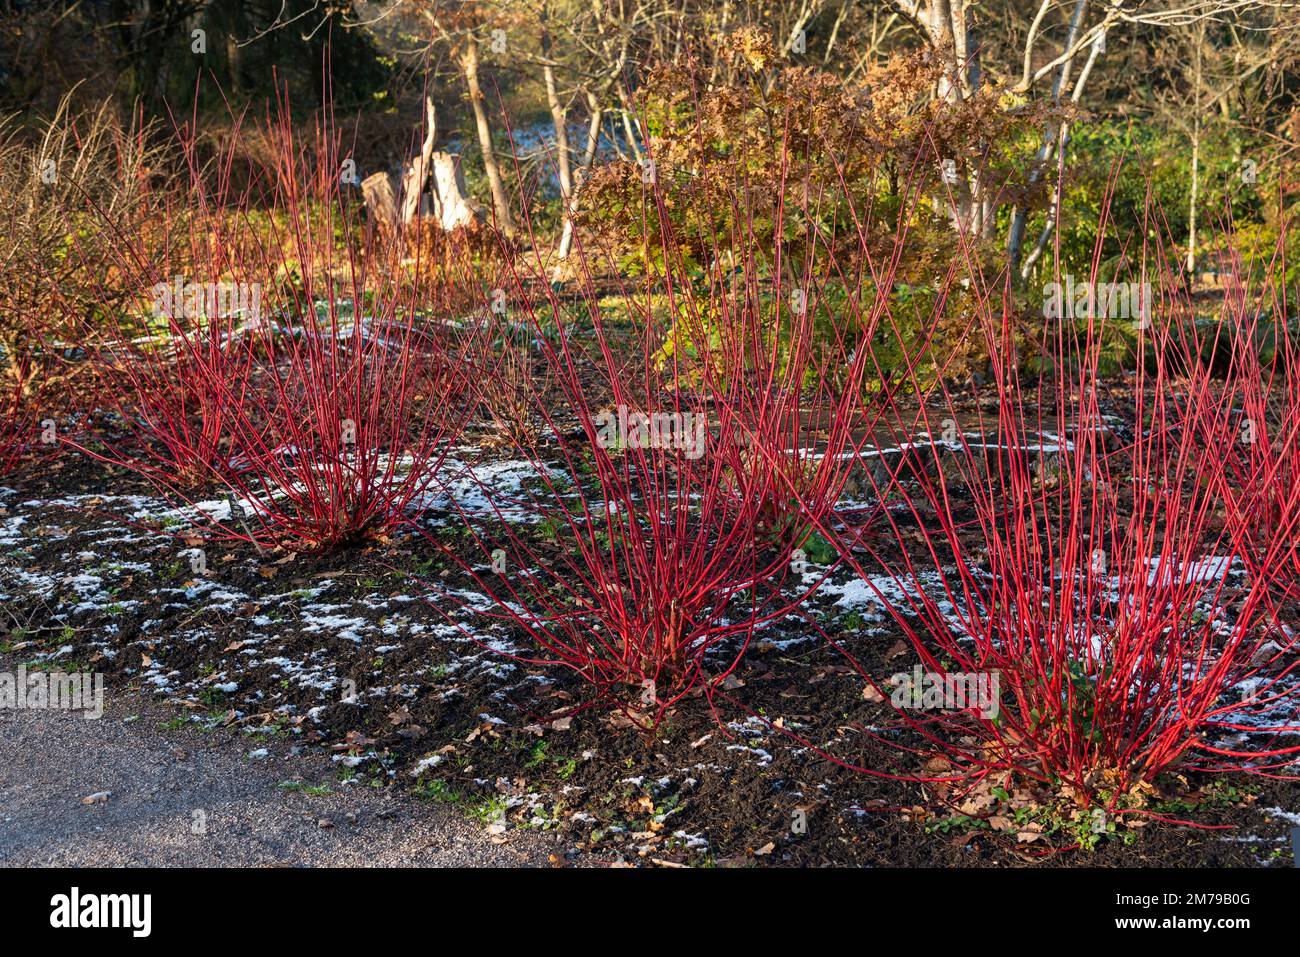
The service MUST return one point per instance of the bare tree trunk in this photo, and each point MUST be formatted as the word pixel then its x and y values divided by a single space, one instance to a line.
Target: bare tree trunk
pixel 1191 203
pixel 413 181
pixel 629 127
pixel 941 40
pixel 806 12
pixel 835 31
pixel 501 206
pixel 1050 226
pixel 233 64
pixel 381 200
pixel 1196 156
pixel 588 158
pixel 559 116
pixel 946 27
pixel 1053 135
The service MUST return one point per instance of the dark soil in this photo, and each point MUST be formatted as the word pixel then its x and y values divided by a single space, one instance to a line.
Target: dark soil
pixel 338 652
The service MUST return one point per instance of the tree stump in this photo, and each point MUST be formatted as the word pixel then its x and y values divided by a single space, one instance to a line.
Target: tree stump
pixel 395 203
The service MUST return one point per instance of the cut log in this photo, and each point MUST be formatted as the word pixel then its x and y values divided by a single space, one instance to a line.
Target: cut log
pixel 452 206
pixel 380 195
pixel 418 172
pixel 395 203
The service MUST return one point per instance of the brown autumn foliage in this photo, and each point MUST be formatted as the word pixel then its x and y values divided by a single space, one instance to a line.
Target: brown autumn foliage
pixel 57 182
pixel 860 163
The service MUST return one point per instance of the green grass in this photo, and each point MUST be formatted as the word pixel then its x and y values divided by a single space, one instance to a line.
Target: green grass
pixel 436 789
pixel 302 787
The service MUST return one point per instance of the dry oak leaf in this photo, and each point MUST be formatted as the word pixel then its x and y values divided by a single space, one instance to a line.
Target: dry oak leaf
pixel 641 804
pixel 1029 833
pixel 976 803
pixel 355 740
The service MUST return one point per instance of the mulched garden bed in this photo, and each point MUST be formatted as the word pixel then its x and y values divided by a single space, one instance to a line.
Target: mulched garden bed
pixel 340 652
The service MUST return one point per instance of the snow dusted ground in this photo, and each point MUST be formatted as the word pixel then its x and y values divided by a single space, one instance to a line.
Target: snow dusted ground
pixel 98 549
pixel 108 577
pixel 111 557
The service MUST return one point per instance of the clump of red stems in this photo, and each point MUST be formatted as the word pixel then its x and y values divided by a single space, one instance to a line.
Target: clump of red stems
pixel 16 428
pixel 1072 552
pixel 1261 477
pixel 656 535
pixel 315 389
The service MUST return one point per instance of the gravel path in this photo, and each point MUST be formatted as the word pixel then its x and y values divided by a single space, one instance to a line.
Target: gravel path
pixel 119 791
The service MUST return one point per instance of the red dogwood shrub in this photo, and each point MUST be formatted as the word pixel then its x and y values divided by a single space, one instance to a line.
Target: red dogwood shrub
pixel 1261 473
pixel 1080 608
pixel 314 388
pixel 24 434
pixel 694 429
pixel 15 429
